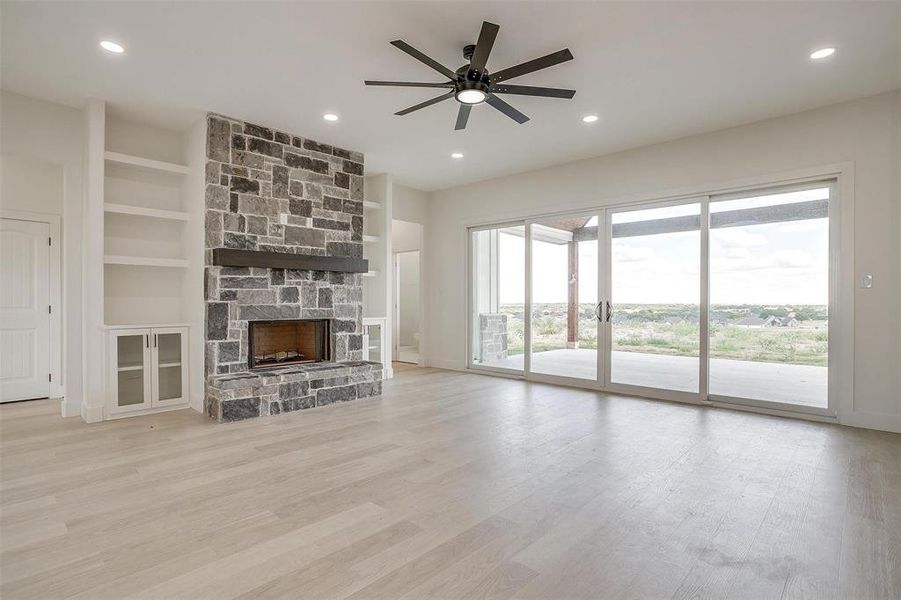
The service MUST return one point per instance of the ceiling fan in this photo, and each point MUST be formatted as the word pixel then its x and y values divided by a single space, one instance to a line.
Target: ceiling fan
pixel 472 84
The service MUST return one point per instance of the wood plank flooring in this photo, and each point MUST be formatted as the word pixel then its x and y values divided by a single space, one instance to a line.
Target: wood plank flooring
pixel 449 485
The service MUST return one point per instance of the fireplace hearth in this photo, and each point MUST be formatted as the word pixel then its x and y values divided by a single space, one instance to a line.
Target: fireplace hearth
pixel 285 342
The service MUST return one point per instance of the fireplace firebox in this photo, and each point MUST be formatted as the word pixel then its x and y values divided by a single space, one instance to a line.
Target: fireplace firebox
pixel 285 342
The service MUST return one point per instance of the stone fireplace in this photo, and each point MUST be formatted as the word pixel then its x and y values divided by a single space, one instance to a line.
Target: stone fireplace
pixel 283 284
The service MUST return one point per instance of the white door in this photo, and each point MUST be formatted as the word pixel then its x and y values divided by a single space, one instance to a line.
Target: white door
pixel 24 310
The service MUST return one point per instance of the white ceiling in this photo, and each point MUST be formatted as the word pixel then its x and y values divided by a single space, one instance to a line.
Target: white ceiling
pixel 652 71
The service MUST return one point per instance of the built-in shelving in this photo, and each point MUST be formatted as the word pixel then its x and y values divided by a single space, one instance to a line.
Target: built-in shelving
pixel 372 239
pixel 145 261
pixel 371 205
pixel 146 325
pixel 141 211
pixel 145 163
pixel 371 274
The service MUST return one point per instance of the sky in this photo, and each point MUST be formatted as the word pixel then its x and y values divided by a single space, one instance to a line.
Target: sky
pixel 782 263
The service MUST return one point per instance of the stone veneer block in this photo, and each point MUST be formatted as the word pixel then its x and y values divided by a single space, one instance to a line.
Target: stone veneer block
pixel 285 389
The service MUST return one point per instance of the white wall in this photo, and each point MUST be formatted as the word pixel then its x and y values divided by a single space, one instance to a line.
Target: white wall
pixel 410 204
pixel 864 132
pixel 42 145
pixel 405 236
pixel 31 184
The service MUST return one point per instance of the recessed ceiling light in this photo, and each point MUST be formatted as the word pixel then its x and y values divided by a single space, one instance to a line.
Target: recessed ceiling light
pixel 456 155
pixel 589 118
pixel 112 47
pixel 822 53
pixel 330 117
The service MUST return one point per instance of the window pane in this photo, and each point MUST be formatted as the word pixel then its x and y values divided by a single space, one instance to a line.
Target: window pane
pixel 564 294
pixel 769 287
pixel 498 269
pixel 655 260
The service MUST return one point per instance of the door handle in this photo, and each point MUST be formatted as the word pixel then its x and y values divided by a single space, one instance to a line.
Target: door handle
pixel 609 311
pixel 154 340
pixel 597 311
pixel 147 340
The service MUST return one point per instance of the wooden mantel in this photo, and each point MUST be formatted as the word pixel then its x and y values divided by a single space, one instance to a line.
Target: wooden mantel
pixel 230 257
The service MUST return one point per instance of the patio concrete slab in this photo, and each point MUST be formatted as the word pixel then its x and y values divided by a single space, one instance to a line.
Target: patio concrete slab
pixel 776 382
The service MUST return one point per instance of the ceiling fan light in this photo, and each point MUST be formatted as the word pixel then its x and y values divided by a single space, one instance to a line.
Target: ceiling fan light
pixel 471 96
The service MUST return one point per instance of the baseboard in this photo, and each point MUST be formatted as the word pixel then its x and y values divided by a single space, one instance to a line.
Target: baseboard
pixel 91 414
pixel 450 365
pixel 69 408
pixel 877 421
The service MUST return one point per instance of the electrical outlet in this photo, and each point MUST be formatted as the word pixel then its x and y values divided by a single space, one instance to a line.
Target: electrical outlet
pixel 866 282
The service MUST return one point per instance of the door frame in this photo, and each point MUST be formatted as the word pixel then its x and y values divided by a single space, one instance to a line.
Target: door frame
pixel 842 283
pixel 57 319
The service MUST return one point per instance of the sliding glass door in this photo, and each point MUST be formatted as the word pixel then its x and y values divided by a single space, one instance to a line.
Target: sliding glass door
pixel 655 295
pixel 564 323
pixel 769 296
pixel 722 297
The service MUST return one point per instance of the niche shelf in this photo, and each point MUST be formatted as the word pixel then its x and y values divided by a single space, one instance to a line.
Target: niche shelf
pixel 141 211
pixel 371 205
pixel 372 239
pixel 145 163
pixel 145 261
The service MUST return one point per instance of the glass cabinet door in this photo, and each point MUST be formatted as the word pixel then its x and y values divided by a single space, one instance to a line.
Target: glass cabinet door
pixel 374 342
pixel 169 353
pixel 130 377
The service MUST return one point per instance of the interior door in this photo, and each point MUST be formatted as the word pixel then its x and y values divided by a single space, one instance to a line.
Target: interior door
pixel 169 352
pixel 654 316
pixel 130 383
pixel 564 300
pixel 24 310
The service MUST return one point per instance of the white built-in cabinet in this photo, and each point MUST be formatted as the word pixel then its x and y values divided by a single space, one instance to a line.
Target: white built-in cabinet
pixel 148 369
pixel 148 203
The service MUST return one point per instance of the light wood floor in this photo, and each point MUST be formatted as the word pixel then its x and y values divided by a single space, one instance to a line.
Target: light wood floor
pixel 450 485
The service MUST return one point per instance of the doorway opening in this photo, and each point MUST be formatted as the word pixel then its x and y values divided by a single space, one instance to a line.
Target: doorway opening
pixel 407 243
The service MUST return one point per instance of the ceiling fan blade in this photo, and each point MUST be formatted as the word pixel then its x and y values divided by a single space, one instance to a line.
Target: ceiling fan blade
pixel 411 84
pixel 528 90
pixel 462 116
pixel 483 46
pixel 506 109
pixel 537 64
pixel 424 59
pixel 435 100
